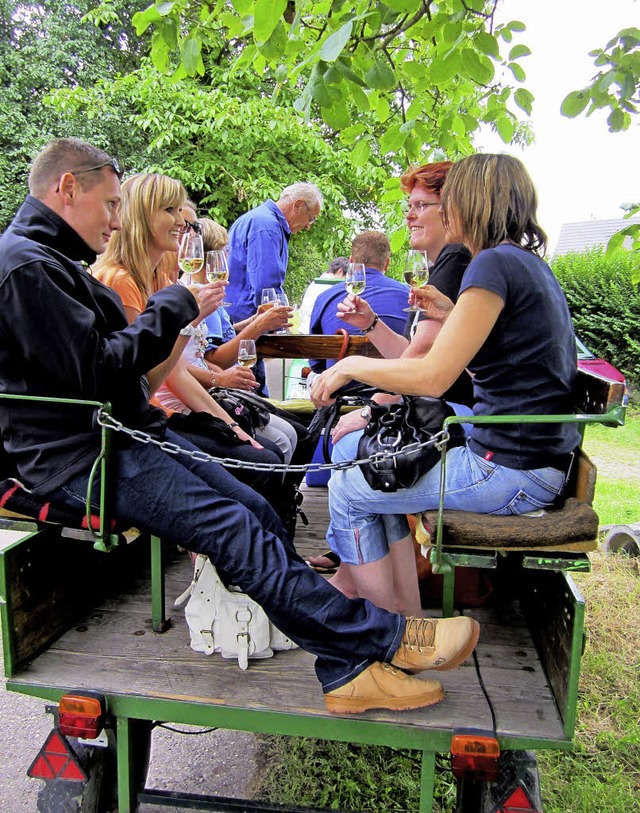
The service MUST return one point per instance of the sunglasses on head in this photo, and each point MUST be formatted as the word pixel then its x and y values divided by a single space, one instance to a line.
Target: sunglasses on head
pixel 110 163
pixel 195 227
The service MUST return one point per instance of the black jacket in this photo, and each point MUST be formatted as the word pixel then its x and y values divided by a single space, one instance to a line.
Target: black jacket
pixel 64 334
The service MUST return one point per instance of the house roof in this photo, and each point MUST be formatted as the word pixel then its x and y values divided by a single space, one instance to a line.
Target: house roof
pixel 590 234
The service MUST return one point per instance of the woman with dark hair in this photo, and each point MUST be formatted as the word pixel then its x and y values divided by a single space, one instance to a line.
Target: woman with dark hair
pixel 512 329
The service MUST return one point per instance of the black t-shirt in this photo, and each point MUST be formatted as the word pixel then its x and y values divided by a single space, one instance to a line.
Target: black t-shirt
pixel 527 365
pixel 446 275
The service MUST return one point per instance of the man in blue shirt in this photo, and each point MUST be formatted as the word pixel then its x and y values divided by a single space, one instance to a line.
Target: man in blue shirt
pixel 387 297
pixel 259 245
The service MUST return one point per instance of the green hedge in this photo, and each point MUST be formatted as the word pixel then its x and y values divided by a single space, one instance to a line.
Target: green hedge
pixel 604 305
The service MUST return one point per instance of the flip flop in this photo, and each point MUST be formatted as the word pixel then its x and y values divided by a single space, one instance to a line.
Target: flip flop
pixel 327 562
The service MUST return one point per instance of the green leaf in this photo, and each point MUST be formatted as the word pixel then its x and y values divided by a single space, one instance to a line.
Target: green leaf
pixel 143 19
pixel 442 70
pixel 575 103
pixel 516 25
pixel 360 153
pixel 346 71
pixel 505 127
pixel 618 120
pixel 380 77
pixel 191 56
pixel 318 88
pixel 266 16
pixel 165 8
pixel 337 117
pixel 334 45
pixel 360 98
pixel 487 43
pixel 392 140
pixel 524 100
pixel 517 71
pixel 615 242
pixel 477 66
pixel 518 51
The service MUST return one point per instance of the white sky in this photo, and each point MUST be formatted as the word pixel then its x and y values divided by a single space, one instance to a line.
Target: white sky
pixel 580 169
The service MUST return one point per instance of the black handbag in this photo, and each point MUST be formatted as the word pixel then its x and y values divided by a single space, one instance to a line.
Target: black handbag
pixel 249 410
pixel 413 420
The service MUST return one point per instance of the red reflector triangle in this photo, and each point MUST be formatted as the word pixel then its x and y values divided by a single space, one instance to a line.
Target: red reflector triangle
pixel 56 759
pixel 517 802
pixel 40 769
pixel 55 745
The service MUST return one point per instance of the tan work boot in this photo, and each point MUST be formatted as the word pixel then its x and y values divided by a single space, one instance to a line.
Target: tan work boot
pixel 436 643
pixel 381 686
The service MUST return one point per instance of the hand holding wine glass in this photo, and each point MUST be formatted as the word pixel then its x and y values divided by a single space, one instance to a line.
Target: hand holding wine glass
pixel 268 299
pixel 191 255
pixel 416 272
pixel 247 355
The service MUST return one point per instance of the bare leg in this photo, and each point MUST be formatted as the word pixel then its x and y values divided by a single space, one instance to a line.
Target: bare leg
pixel 343 582
pixel 405 576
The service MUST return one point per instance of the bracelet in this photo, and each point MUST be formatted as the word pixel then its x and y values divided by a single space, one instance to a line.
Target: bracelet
pixel 213 380
pixel 233 424
pixel 189 330
pixel 376 318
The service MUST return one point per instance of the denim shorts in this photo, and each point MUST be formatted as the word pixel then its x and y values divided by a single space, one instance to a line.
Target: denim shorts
pixel 365 522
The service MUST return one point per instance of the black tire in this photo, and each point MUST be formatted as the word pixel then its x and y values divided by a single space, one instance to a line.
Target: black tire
pixel 99 794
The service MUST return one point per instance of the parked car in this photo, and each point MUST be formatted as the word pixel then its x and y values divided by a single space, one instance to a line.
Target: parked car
pixel 590 362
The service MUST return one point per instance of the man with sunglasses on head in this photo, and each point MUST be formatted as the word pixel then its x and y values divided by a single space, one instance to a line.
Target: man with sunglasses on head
pixel 65 334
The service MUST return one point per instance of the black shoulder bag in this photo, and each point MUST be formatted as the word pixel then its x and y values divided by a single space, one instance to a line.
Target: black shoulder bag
pixel 413 420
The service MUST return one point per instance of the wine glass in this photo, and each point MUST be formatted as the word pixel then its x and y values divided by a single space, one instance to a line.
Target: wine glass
pixel 217 268
pixel 282 299
pixel 268 299
pixel 416 273
pixel 191 254
pixel 247 355
pixel 356 279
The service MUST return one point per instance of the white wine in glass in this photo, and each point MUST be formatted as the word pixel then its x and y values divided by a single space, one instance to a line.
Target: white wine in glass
pixel 356 280
pixel 191 254
pixel 268 299
pixel 416 272
pixel 217 268
pixel 247 355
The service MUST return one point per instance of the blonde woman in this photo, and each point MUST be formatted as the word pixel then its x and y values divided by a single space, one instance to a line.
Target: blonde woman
pixel 152 223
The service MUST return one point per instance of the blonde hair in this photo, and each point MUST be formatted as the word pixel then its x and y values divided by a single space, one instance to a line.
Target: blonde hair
pixel 491 199
pixel 142 196
pixel 214 236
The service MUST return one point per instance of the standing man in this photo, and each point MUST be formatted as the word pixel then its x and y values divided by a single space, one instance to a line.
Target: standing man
pixel 387 297
pixel 259 245
pixel 65 334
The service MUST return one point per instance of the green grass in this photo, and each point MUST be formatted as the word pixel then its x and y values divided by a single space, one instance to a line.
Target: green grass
pixel 601 774
pixel 616 452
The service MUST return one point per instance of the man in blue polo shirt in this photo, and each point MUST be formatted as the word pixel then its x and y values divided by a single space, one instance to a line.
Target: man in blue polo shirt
pixel 259 246
pixel 387 297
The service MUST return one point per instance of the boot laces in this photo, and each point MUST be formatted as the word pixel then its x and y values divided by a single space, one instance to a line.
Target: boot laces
pixel 420 633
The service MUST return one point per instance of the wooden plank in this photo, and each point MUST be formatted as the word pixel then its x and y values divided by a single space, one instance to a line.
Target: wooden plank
pixel 318 347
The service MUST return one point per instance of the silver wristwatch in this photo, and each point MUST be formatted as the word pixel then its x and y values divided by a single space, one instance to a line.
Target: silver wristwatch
pixel 365 413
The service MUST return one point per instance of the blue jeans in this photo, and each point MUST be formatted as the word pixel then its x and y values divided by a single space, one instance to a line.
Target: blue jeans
pixel 203 508
pixel 364 522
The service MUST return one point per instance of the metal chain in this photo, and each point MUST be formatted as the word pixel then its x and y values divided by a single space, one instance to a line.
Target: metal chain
pixel 108 421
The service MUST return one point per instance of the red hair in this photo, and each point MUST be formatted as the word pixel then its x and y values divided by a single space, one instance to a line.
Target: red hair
pixel 428 176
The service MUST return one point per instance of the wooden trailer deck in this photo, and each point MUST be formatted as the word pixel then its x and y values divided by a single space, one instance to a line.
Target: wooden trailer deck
pixel 114 651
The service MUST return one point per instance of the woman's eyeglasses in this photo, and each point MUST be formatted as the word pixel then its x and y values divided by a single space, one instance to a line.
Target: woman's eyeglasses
pixel 419 206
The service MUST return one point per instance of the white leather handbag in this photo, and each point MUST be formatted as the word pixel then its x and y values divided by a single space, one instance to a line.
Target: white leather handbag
pixel 226 620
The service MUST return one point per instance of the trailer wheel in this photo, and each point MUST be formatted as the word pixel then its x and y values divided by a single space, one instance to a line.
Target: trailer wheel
pixel 99 794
